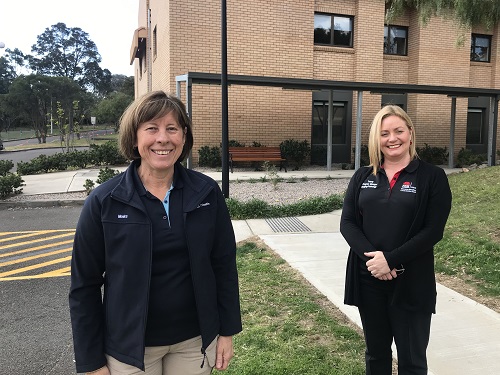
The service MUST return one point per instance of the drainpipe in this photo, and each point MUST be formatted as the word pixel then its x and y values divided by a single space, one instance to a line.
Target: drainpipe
pixel 148 50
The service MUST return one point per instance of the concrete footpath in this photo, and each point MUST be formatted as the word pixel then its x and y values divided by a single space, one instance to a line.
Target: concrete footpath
pixel 465 336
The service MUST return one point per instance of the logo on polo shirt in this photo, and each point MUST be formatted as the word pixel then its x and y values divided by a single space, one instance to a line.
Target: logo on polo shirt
pixel 369 185
pixel 408 187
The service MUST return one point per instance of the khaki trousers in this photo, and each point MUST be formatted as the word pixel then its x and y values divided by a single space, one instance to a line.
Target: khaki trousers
pixel 184 358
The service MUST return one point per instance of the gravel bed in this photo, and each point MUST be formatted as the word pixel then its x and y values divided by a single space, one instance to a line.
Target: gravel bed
pixel 282 193
pixel 286 192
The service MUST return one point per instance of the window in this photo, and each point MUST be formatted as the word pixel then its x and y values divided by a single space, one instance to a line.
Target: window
pixel 395 40
pixel 394 99
pixel 342 26
pixel 475 126
pixel 480 48
pixel 320 123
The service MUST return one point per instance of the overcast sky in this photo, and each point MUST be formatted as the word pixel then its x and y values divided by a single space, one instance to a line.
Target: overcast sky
pixel 109 23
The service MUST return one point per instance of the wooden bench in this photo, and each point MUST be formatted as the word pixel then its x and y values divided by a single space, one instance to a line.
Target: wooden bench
pixel 250 154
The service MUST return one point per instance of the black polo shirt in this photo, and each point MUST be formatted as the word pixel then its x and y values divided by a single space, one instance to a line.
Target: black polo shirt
pixel 388 213
pixel 172 315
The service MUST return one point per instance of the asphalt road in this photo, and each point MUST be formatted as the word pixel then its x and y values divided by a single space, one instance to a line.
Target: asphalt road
pixel 35 330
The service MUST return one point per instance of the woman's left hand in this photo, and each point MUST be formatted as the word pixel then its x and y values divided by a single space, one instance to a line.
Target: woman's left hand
pixel 377 265
pixel 224 352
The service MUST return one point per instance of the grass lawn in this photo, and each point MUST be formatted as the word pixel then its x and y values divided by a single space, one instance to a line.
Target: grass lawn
pixel 288 327
pixel 470 248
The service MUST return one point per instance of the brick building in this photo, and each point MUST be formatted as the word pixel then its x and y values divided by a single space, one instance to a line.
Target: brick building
pixel 344 40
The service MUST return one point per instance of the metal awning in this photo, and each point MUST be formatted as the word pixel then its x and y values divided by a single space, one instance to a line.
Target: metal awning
pixel 316 84
pixel 192 78
pixel 140 35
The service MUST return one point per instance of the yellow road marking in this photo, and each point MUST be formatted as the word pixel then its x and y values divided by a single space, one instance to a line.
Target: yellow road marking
pixel 24 235
pixel 35 248
pixel 36 231
pixel 31 277
pixel 35 266
pixel 31 234
pixel 59 272
pixel 22 260
pixel 31 242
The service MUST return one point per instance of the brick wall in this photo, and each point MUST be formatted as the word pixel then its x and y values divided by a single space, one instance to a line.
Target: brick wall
pixel 275 38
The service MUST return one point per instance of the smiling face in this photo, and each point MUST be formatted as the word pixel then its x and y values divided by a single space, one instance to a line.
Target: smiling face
pixel 395 137
pixel 160 143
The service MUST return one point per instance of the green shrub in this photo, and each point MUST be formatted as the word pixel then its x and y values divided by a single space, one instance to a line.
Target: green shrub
pixel 234 143
pixel 9 184
pixel 5 166
pixel 25 168
pixel 106 174
pixel 79 159
pixel 467 157
pixel 209 157
pixel 107 154
pixel 294 150
pixel 433 155
pixel 255 208
pixel 88 186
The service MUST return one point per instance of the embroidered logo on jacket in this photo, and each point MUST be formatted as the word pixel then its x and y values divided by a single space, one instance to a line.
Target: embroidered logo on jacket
pixel 369 185
pixel 203 204
pixel 122 216
pixel 408 187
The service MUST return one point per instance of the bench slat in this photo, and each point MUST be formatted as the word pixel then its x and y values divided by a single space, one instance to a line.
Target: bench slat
pixel 256 154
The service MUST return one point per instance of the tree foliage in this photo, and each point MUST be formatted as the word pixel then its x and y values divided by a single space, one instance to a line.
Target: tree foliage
pixel 69 52
pixel 111 108
pixel 32 99
pixel 467 13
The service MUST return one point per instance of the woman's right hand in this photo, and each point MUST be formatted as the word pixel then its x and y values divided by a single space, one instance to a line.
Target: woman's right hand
pixel 389 276
pixel 102 371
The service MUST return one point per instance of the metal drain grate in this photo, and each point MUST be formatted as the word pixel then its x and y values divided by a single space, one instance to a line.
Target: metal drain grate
pixel 287 224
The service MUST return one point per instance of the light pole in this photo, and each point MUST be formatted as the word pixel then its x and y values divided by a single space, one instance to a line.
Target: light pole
pixel 51 129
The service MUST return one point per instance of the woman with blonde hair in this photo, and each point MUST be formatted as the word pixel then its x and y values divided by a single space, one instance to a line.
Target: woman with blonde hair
pixel 394 212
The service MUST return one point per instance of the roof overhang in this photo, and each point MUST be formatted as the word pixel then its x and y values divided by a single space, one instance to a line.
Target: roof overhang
pixel 315 84
pixel 140 35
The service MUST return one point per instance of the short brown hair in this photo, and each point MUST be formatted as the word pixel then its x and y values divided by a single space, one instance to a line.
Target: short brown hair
pixel 152 106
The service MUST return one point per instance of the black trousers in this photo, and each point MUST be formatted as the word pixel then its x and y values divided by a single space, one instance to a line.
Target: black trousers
pixel 382 323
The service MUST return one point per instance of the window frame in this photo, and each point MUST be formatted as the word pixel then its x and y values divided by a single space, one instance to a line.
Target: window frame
pixel 387 49
pixel 338 130
pixel 481 130
pixel 332 30
pixel 473 46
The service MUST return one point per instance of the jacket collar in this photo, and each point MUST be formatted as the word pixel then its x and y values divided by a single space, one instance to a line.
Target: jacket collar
pixel 195 187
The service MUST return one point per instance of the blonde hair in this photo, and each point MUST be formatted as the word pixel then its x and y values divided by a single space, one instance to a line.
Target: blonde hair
pixel 152 106
pixel 376 157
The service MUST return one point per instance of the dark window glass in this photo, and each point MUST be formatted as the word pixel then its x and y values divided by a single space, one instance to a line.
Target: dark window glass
pixel 320 123
pixel 395 40
pixel 475 126
pixel 480 48
pixel 342 30
pixel 322 29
